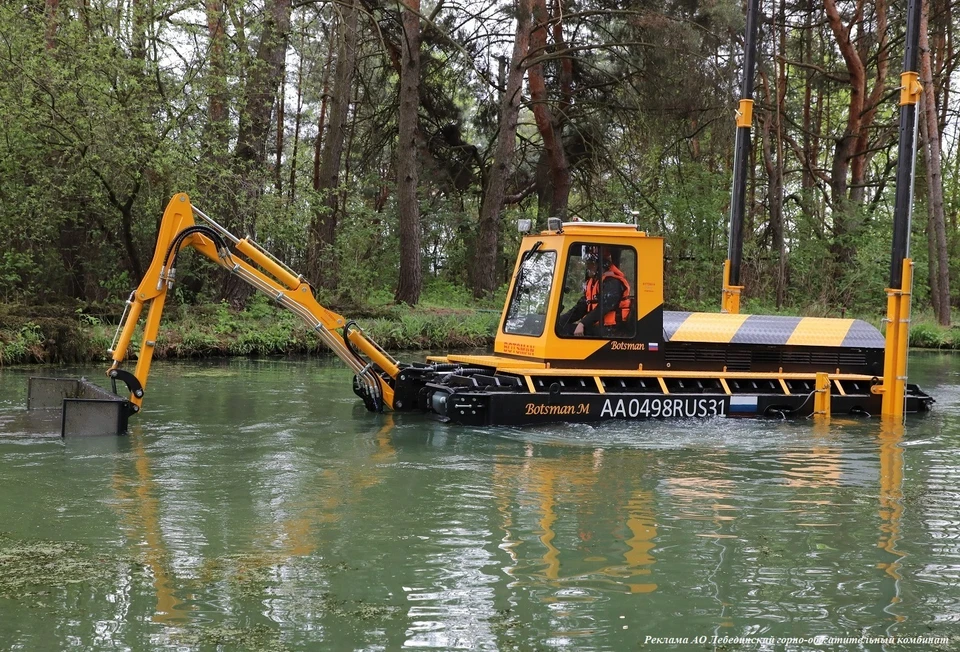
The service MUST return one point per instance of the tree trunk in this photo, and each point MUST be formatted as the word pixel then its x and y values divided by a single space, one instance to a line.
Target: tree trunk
pixel 52 18
pixel 807 181
pixel 944 61
pixel 265 78
pixel 778 226
pixel 281 121
pixel 940 270
pixel 863 150
pixel 846 143
pixel 138 37
pixel 411 280
pixel 292 185
pixel 215 187
pixel 932 268
pixel 72 247
pixel 484 278
pixel 321 119
pixel 321 260
pixel 773 165
pixel 813 119
pixel 851 154
pixel 218 126
pixel 549 128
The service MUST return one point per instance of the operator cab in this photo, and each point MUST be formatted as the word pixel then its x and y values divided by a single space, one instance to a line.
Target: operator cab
pixel 608 276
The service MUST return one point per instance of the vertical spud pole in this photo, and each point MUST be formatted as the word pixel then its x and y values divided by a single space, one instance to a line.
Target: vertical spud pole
pixel 901 267
pixel 730 301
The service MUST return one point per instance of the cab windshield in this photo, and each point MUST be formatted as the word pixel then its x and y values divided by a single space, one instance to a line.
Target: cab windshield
pixel 527 312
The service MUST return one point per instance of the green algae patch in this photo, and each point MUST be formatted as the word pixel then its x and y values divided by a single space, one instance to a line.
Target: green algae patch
pixel 30 568
pixel 250 574
pixel 258 638
pixel 349 614
pixel 356 609
pixel 209 373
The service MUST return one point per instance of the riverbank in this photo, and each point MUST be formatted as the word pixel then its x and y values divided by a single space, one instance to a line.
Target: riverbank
pixel 73 334
pixel 48 334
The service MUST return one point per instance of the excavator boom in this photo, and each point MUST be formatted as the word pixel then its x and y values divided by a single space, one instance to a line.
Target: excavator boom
pixel 179 228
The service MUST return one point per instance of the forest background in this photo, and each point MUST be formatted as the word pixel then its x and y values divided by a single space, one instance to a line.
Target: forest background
pixel 386 150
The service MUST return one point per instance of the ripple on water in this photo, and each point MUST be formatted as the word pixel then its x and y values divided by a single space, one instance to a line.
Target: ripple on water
pixel 453 607
pixel 939 505
pixel 29 426
pixel 731 434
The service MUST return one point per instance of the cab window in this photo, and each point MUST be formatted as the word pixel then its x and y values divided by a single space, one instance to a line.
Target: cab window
pixel 610 311
pixel 527 312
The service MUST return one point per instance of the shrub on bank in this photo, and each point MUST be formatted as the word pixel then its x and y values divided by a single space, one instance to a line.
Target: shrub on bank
pixel 931 335
pixel 260 329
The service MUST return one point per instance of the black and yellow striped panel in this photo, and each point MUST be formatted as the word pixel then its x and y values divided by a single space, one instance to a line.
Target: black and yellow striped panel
pixel 769 329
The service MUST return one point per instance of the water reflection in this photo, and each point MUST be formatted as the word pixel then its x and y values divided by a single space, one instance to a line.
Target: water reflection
pixel 139 507
pixel 891 506
pixel 643 530
pixel 702 497
pixel 288 519
pixel 571 499
pixel 821 466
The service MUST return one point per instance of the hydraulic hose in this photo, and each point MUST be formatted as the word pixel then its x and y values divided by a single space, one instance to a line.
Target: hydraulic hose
pixel 177 243
pixel 346 339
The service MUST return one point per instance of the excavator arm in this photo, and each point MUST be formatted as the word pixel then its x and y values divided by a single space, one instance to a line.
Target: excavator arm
pixel 375 370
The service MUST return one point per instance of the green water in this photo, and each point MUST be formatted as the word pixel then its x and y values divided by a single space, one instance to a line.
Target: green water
pixel 256 505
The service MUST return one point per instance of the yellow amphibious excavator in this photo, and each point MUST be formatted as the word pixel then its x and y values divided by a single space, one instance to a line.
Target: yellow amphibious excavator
pixel 637 362
pixel 564 350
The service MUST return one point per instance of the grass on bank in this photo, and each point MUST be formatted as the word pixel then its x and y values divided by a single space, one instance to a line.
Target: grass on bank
pixel 67 334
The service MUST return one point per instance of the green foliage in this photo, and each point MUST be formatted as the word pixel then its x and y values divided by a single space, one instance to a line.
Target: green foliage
pixel 861 285
pixel 436 330
pixel 116 286
pixel 259 329
pixel 930 336
pixel 86 143
pixel 367 245
pixel 192 342
pixel 15 269
pixel 440 293
pixel 696 229
pixel 926 333
pixel 23 345
pixel 811 272
pixel 97 135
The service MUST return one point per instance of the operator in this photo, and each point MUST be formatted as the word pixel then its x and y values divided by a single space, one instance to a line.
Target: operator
pixel 611 291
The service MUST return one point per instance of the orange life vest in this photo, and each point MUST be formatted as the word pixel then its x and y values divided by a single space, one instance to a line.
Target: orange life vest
pixel 593 296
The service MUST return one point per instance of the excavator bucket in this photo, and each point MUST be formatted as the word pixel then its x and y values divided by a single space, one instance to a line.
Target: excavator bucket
pixel 86 409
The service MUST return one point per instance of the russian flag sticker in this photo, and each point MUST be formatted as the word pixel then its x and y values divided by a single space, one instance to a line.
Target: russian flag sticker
pixel 653 346
pixel 743 404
